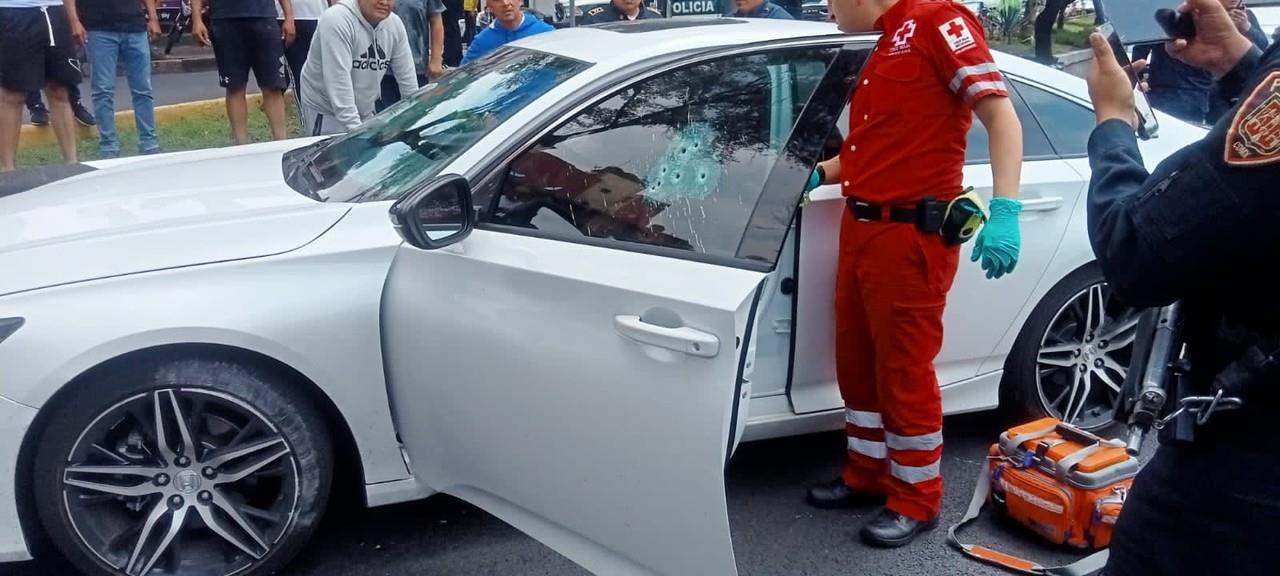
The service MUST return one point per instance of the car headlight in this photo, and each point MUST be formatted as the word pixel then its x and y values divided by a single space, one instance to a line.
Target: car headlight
pixel 9 325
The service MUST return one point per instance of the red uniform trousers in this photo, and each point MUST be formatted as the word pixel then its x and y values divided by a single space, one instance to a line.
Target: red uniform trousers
pixel 891 289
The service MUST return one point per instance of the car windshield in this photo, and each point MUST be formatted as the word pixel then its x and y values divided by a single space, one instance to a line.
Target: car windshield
pixel 411 142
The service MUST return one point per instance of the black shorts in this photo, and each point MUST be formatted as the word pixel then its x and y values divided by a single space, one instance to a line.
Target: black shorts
pixel 241 44
pixel 36 48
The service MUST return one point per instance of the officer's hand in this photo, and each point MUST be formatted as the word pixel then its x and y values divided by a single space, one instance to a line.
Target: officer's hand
pixel 1217 46
pixel 1000 240
pixel 1109 86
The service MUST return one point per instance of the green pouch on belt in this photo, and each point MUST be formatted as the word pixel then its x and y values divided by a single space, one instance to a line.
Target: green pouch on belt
pixel 965 216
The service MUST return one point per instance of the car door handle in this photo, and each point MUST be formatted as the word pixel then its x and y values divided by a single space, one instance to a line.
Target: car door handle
pixel 1042 204
pixel 684 339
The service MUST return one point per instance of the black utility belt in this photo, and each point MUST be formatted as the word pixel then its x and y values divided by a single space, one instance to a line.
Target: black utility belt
pixel 928 215
pixel 956 220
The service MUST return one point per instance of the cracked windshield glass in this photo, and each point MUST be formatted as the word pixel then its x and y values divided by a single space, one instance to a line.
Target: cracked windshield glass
pixel 678 160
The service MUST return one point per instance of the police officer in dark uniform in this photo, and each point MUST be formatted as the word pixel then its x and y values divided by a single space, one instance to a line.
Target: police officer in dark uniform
pixel 618 10
pixel 1202 229
pixel 760 9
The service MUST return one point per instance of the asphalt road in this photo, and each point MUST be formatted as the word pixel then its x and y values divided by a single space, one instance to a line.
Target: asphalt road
pixel 774 531
pixel 173 88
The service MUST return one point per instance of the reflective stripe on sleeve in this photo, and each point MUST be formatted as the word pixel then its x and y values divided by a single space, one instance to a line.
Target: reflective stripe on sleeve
pixel 869 448
pixel 863 419
pixel 976 70
pixel 980 87
pixel 922 442
pixel 915 474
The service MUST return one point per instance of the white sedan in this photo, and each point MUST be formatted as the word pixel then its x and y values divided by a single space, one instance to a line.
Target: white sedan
pixel 597 278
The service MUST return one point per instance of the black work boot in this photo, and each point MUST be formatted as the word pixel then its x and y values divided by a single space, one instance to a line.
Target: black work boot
pixel 889 529
pixel 837 494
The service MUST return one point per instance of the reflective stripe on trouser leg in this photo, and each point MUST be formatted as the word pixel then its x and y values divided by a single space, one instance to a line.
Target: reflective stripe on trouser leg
pixel 906 275
pixel 863 419
pixel 868 448
pixel 865 468
pixel 915 474
pixel 923 442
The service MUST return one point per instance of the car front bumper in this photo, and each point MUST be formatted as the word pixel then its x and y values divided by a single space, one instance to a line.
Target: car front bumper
pixel 14 420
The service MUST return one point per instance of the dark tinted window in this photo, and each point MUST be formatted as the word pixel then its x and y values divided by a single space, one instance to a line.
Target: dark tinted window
pixel 1035 145
pixel 676 161
pixel 1068 124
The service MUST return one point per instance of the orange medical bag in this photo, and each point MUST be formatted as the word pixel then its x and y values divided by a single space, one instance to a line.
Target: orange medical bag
pixel 1064 483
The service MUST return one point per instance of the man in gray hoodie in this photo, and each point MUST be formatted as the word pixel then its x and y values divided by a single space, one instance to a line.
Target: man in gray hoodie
pixel 356 42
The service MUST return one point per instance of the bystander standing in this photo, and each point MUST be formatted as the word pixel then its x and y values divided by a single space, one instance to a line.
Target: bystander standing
pixel 424 26
pixel 1184 91
pixel 118 31
pixel 245 36
pixel 306 16
pixel 356 42
pixel 36 52
pixel 760 9
pixel 510 23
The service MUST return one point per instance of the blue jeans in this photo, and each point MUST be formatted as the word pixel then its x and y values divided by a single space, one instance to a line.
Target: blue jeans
pixel 134 51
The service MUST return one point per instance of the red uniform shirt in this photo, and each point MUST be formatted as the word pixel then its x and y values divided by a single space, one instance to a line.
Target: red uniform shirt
pixel 914 103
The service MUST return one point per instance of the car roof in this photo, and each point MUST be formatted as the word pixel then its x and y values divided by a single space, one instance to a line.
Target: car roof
pixel 623 44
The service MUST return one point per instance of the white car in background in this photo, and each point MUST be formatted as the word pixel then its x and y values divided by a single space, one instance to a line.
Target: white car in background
pixel 563 283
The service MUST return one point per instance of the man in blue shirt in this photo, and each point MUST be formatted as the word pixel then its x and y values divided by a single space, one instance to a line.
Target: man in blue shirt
pixel 510 23
pixel 760 9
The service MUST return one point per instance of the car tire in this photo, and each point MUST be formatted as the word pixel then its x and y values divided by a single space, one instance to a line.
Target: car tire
pixel 249 489
pixel 1070 341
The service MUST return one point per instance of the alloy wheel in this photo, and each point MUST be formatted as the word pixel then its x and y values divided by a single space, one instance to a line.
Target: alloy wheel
pixel 1084 357
pixel 180 481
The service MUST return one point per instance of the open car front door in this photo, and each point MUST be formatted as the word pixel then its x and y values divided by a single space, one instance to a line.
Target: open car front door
pixel 574 366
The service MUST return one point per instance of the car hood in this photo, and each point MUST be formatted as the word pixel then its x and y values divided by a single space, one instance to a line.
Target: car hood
pixel 171 211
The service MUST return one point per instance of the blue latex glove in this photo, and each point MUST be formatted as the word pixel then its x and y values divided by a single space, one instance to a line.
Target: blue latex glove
pixel 814 181
pixel 1000 240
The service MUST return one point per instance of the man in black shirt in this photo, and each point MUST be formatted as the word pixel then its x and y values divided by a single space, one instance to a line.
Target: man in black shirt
pixel 118 31
pixel 245 35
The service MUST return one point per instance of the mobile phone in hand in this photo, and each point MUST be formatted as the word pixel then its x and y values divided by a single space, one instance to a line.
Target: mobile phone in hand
pixel 1147 124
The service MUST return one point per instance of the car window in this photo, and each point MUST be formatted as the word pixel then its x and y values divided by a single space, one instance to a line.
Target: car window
pixel 1067 123
pixel 676 161
pixel 1035 144
pixel 410 142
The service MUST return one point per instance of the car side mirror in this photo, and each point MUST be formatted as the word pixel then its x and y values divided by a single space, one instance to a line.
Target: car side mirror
pixel 437 215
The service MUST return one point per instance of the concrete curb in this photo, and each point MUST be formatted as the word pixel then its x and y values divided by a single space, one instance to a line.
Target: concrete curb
pixel 179 65
pixel 39 135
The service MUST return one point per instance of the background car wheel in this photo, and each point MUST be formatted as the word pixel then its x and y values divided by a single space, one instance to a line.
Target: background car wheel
pixel 1071 358
pixel 183 467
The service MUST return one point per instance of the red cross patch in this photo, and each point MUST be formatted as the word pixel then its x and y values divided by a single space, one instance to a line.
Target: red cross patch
pixel 957 34
pixel 1254 137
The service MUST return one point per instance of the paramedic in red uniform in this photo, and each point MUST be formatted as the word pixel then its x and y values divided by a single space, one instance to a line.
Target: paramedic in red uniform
pixel 913 105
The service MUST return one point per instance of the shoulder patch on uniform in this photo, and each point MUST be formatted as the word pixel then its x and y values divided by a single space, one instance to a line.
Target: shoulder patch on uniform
pixel 1254 136
pixel 595 11
pixel 957 34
